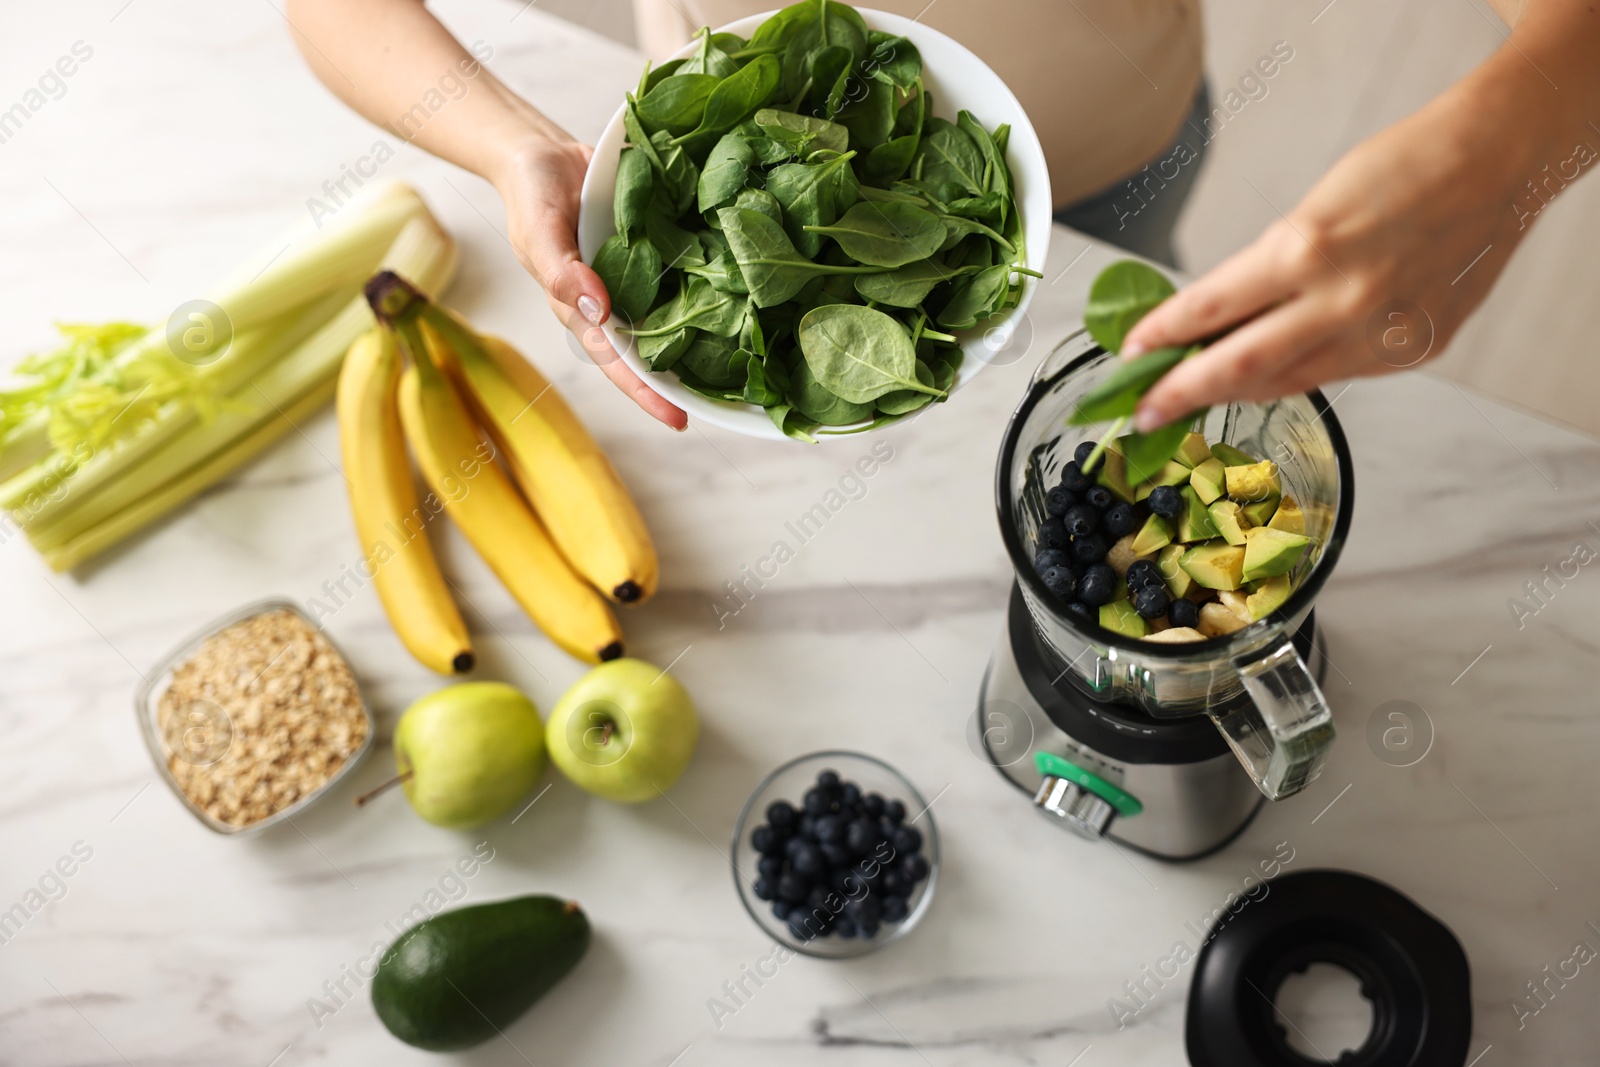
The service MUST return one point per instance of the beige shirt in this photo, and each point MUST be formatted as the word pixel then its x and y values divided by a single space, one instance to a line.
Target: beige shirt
pixel 1107 83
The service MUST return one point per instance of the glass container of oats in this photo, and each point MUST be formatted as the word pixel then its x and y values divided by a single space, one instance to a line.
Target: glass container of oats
pixel 254 717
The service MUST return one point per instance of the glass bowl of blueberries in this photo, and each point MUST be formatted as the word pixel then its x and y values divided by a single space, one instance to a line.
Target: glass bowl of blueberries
pixel 835 854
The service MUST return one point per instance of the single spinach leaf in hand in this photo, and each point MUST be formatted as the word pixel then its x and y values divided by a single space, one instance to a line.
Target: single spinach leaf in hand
pixel 738 97
pixel 677 103
pixel 1121 295
pixel 635 188
pixel 772 268
pixel 1119 392
pixel 948 155
pixel 812 194
pixel 1147 453
pixel 632 273
pixel 802 133
pixel 977 299
pixel 904 401
pixel 858 353
pixel 888 234
pixel 819 403
pixel 726 171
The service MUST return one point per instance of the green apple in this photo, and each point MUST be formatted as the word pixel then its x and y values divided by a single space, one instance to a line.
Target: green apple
pixel 625 731
pixel 472 750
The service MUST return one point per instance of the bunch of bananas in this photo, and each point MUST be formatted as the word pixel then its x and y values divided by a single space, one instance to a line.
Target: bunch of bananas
pixel 569 540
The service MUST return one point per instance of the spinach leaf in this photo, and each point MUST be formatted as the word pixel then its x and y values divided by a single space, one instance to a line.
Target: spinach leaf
pixel 977 299
pixel 792 423
pixel 886 235
pixel 638 138
pixel 720 268
pixel 997 176
pixel 1147 453
pixel 888 162
pixel 632 273
pixel 698 305
pixel 654 76
pixel 821 404
pixel 678 247
pixel 857 353
pixel 870 119
pixel 894 61
pixel 635 187
pixel 806 28
pixel 830 79
pixel 772 268
pixel 948 155
pixel 677 103
pixel 812 194
pixel 726 171
pixel 1118 393
pixel 905 401
pixel 712 58
pixel 869 192
pixel 989 209
pixel 1123 294
pixel 680 178
pixel 762 201
pixel 908 286
pixel 716 361
pixel 737 97
pixel 757 389
pixel 803 132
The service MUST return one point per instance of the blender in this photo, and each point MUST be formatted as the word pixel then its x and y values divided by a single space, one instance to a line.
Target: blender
pixel 1167 748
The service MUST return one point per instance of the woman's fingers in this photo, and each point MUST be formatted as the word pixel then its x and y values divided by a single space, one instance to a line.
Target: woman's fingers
pixel 1240 286
pixel 1239 363
pixel 551 256
pixel 598 348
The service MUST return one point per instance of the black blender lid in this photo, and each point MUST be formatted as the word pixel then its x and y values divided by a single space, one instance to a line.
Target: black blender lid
pixel 1411 967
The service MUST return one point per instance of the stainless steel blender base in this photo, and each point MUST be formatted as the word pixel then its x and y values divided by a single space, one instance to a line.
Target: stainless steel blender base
pixel 1195 796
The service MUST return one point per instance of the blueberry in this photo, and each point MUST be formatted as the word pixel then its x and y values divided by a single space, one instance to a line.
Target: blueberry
pixel 764 889
pixel 781 814
pixel 807 827
pixel 894 811
pixel 816 802
pixel 844 928
pixel 1052 534
pixel 1151 602
pixel 1060 581
pixel 1090 549
pixel 808 862
pixel 792 887
pixel 1143 572
pixel 872 805
pixel 914 868
pixel 1073 479
pixel 1058 500
pixel 1097 586
pixel 1120 519
pixel 1166 501
pixel 830 830
pixel 764 840
pixel 894 909
pixel 837 855
pixel 895 883
pixel 1049 557
pixel 850 796
pixel 792 846
pixel 862 836
pixel 1184 613
pixel 870 930
pixel 817 899
pixel 799 929
pixel 781 909
pixel 828 779
pixel 907 839
pixel 1080 455
pixel 770 867
pixel 866 910
pixel 1081 520
pixel 1098 497
pixel 1085 615
pixel 845 881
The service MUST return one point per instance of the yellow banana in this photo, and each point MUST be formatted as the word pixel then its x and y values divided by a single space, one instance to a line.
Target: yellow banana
pixel 564 473
pixel 460 467
pixel 391 525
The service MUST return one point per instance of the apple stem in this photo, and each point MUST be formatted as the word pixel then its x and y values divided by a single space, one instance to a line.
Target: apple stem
pixel 390 784
pixel 605 735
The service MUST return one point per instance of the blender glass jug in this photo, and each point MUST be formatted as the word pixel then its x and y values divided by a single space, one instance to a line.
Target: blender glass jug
pixel 1252 683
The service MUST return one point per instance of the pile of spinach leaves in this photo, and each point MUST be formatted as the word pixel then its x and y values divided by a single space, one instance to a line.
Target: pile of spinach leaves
pixel 1122 294
pixel 795 228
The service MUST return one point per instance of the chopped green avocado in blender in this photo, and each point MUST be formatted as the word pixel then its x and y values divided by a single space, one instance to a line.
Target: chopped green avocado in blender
pixel 1215 564
pixel 1270 595
pixel 1229 521
pixel 1230 456
pixel 1208 479
pixel 1288 518
pixel 1194 450
pixel 1156 533
pixel 1177 579
pixel 1262 512
pixel 1268 552
pixel 1194 524
pixel 1174 473
pixel 1253 483
pixel 1120 618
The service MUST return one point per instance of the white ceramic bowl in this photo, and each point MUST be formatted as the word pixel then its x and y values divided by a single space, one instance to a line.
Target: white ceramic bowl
pixel 958 81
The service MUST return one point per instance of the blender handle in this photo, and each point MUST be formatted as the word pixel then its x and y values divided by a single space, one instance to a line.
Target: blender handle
pixel 1283 735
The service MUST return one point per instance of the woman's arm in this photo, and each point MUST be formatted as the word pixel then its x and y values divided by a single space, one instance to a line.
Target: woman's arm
pixel 1424 215
pixel 382 57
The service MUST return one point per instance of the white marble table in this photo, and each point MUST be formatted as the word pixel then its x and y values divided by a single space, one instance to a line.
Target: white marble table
pixel 190 136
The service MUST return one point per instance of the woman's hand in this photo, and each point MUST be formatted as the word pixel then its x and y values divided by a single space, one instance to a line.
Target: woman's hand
pixel 540 183
pixel 1374 271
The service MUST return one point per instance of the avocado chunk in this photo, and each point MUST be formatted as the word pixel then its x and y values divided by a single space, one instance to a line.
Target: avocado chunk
pixel 1288 518
pixel 1177 579
pixel 1270 595
pixel 1229 521
pixel 1174 473
pixel 1230 456
pixel 1261 512
pixel 1268 552
pixel 1120 618
pixel 1208 479
pixel 1215 564
pixel 1155 534
pixel 1194 524
pixel 1113 474
pixel 1253 483
pixel 459 978
pixel 1194 450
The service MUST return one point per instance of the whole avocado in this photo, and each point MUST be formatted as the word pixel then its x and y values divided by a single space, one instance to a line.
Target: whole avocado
pixel 457 979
